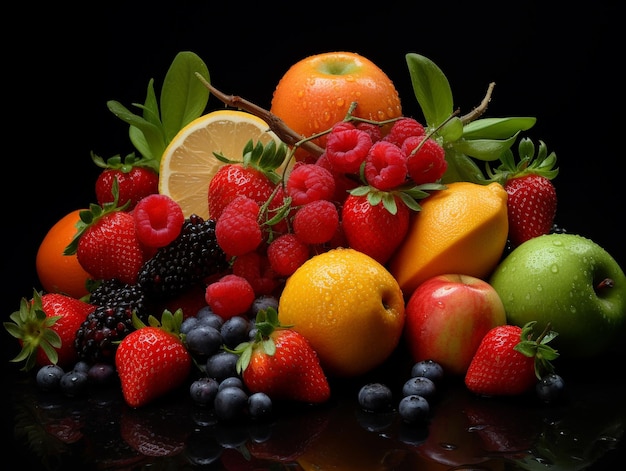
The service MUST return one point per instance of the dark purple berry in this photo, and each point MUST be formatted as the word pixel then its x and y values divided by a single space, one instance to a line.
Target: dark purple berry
pixel 102 374
pixel 222 365
pixel 203 340
pixel 48 377
pixel 429 369
pixel 259 405
pixel 230 403
pixel 419 386
pixel 550 388
pixel 74 383
pixel 413 409
pixel 203 391
pixel 375 397
pixel 235 330
pixel 231 382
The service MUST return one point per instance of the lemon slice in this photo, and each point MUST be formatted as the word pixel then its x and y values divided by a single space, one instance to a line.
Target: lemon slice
pixel 188 164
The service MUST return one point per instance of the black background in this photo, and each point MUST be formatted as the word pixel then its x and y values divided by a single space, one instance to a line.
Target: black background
pixel 60 68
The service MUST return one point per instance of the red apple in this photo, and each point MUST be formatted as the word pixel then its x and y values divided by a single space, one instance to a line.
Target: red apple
pixel 446 318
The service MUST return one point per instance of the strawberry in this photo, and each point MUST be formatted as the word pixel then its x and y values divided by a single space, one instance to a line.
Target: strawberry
pixel 45 327
pixel 152 360
pixel 106 243
pixel 255 177
pixel 281 363
pixel 136 178
pixel 376 229
pixel 532 198
pixel 509 362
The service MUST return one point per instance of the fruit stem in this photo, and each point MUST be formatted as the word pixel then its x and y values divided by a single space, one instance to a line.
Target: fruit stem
pixel 284 132
pixel 480 109
pixel 606 283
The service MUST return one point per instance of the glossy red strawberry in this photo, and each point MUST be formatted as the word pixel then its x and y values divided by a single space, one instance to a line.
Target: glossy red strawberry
pixel 45 327
pixel 152 360
pixel 281 363
pixel 255 177
pixel 376 229
pixel 106 244
pixel 509 362
pixel 532 198
pixel 136 178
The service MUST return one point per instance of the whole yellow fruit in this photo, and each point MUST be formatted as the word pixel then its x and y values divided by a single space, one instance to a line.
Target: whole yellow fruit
pixel 348 306
pixel 462 229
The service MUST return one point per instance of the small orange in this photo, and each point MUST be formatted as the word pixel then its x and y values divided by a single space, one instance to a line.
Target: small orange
pixel 349 308
pixel 462 229
pixel 60 273
pixel 317 92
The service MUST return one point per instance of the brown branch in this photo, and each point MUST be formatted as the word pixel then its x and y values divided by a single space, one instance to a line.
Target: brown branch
pixel 480 109
pixel 277 125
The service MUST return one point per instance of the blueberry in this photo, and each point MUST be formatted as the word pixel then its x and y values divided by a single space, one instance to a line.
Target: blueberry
pixel 429 369
pixel 419 386
pixel 231 381
pixel 203 391
pixel 235 330
pixel 550 388
pixel 48 377
pixel 74 383
pixel 206 316
pixel 188 324
pixel 259 405
pixel 413 409
pixel 102 374
pixel 222 365
pixel 203 340
pixel 263 302
pixel 375 397
pixel 230 403
pixel 82 366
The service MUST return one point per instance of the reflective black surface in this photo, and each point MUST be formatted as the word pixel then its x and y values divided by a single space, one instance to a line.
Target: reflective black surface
pixel 584 431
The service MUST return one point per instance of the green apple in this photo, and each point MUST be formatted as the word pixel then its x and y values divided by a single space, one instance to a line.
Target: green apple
pixel 572 283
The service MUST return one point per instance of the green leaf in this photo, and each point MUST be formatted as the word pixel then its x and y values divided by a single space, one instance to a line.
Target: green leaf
pixel 484 149
pixel 183 96
pixel 497 128
pixel 431 88
pixel 461 168
pixel 153 135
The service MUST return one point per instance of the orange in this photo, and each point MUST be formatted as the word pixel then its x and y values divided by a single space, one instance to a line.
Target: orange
pixel 349 308
pixel 462 230
pixel 60 273
pixel 317 92
pixel 188 163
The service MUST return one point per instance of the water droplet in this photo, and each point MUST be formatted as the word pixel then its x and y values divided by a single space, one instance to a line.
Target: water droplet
pixel 539 288
pixel 448 446
pixel 554 268
pixel 557 243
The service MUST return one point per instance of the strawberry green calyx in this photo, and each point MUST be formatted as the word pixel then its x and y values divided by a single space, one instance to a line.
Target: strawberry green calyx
pixel 263 158
pixel 33 329
pixel 89 217
pixel 266 323
pixel 542 163
pixel 170 322
pixel 409 195
pixel 538 348
pixel 127 164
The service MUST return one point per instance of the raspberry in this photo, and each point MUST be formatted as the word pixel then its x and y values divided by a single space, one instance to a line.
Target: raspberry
pixel 237 230
pixel 158 220
pixel 385 166
pixel 310 182
pixel 372 129
pixel 428 163
pixel 286 253
pixel 347 149
pixel 402 129
pixel 230 296
pixel 343 182
pixel 255 268
pixel 316 222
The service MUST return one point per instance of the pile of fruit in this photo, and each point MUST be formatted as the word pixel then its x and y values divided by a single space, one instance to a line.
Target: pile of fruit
pixel 255 256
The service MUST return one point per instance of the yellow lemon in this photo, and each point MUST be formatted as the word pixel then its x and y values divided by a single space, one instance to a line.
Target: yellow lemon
pixel 462 229
pixel 348 306
pixel 188 163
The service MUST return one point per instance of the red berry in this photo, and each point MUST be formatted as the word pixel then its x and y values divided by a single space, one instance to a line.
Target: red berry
pixel 428 163
pixel 237 230
pixel 402 129
pixel 310 182
pixel 346 149
pixel 385 166
pixel 316 222
pixel 230 296
pixel 158 220
pixel 286 253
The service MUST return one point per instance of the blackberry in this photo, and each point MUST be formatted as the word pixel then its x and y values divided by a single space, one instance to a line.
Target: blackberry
pixel 97 337
pixel 189 259
pixel 113 292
